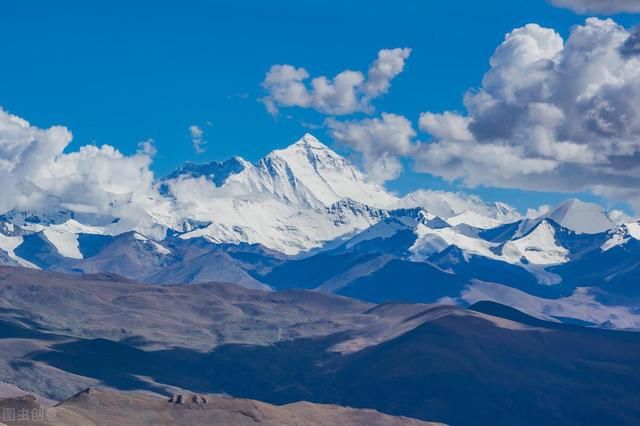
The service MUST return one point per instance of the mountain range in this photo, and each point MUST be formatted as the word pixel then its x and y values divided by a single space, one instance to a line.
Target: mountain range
pixel 305 217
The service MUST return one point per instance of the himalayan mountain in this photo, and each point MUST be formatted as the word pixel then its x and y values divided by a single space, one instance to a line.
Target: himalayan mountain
pixel 305 218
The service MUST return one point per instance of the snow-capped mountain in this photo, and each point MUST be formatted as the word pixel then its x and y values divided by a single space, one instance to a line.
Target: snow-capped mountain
pixel 305 174
pixel 538 247
pixel 409 256
pixel 283 227
pixel 310 173
pixel 303 216
pixel 448 205
pixel 300 198
pixel 581 217
pixel 622 235
pixel 293 200
pixel 305 197
pixel 8 245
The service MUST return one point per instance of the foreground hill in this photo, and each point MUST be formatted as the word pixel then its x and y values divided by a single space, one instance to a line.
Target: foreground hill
pixel 488 365
pixel 109 408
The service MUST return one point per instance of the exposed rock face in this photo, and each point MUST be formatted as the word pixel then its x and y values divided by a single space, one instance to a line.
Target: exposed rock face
pixel 187 399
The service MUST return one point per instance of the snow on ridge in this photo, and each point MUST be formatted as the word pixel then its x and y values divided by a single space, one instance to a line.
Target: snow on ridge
pixel 474 219
pixel 292 200
pixel 396 221
pixel 538 247
pixel 449 204
pixel 66 243
pixel 574 215
pixel 9 244
pixel 286 228
pixel 158 248
pixel 634 229
pixel 327 176
pixel 622 235
pixel 581 217
pixel 431 241
pixel 64 237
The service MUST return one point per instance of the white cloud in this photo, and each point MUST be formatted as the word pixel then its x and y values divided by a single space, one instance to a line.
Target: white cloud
pixel 386 67
pixel 346 93
pixel 197 139
pixel 599 6
pixel 535 213
pixel 380 141
pixel 619 217
pixel 147 147
pixel 550 115
pixel 448 124
pixel 37 175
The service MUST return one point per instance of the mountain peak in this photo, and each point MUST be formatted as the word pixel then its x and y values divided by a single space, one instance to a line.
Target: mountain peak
pixel 505 213
pixel 310 147
pixel 309 170
pixel 310 141
pixel 538 246
pixel 585 218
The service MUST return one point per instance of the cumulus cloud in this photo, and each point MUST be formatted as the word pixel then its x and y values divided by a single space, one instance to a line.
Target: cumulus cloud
pixel 380 141
pixel 599 6
pixel 38 175
pixel 346 93
pixel 197 139
pixel 550 115
pixel 449 125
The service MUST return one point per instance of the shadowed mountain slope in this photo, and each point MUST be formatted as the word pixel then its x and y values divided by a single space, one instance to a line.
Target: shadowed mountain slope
pixel 60 334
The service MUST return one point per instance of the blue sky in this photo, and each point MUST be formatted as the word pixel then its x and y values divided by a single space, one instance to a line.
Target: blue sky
pixel 123 72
